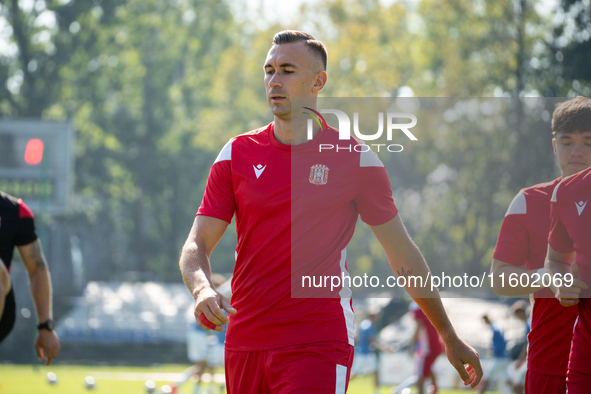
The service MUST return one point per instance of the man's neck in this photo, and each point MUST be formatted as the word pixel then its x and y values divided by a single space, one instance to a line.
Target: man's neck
pixel 293 131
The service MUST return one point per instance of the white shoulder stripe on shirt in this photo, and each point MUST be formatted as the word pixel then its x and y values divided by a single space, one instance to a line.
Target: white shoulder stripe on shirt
pixel 555 192
pixel 518 205
pixel 226 153
pixel 369 158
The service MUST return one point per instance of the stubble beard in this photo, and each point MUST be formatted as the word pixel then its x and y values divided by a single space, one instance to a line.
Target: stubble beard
pixel 282 112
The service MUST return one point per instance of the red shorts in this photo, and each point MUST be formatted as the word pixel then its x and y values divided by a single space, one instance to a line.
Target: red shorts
pixel 539 383
pixel 316 368
pixel 425 362
pixel 578 382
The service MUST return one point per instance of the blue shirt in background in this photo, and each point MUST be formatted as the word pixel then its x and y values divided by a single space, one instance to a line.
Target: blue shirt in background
pixel 366 334
pixel 498 342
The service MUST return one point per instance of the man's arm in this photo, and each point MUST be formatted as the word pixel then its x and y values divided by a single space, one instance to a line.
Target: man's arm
pixel 415 338
pixel 522 357
pixel 46 343
pixel 499 267
pixel 559 264
pixel 4 285
pixel 196 270
pixel 403 254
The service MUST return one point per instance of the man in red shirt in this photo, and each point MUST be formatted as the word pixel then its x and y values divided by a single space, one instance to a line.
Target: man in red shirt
pixel 429 348
pixel 523 241
pixel 569 252
pixel 295 208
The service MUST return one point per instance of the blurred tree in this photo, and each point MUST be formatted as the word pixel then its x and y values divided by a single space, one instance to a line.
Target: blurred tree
pixel 39 45
pixel 570 49
pixel 453 48
pixel 135 76
pixel 478 48
pixel 156 88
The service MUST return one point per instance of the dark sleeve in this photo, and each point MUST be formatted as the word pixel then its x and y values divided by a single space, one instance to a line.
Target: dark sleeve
pixel 25 226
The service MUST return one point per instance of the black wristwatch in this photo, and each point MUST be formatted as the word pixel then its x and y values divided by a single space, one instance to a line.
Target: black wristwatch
pixel 49 324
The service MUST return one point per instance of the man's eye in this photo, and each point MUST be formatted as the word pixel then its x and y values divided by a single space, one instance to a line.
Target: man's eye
pixel 288 72
pixel 269 72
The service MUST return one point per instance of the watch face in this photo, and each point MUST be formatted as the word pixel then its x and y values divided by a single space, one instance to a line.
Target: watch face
pixel 47 325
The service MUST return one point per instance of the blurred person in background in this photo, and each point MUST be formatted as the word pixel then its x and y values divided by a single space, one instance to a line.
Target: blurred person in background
pixel 204 348
pixel 365 361
pixel 425 346
pixel 17 228
pixel 522 245
pixel 428 346
pixel 517 370
pixel 496 369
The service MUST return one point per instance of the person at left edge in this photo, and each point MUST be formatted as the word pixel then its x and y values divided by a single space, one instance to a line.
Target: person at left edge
pixel 17 228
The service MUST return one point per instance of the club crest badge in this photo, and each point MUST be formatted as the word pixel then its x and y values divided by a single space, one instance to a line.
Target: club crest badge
pixel 318 174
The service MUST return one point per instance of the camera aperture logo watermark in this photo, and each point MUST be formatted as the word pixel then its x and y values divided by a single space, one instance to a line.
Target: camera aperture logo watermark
pixel 345 129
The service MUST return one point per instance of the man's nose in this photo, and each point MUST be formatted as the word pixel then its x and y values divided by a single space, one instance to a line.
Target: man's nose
pixel 275 81
pixel 577 149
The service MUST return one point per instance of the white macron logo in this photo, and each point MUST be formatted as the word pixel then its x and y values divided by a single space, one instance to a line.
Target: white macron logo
pixel 580 206
pixel 258 170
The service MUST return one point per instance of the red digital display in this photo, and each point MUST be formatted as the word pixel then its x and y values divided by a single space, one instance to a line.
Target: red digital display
pixel 34 151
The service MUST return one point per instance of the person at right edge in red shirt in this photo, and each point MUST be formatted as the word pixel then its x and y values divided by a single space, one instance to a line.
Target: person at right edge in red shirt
pixel 523 240
pixel 569 252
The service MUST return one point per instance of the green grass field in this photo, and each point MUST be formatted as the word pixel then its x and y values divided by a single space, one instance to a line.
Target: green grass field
pixel 23 379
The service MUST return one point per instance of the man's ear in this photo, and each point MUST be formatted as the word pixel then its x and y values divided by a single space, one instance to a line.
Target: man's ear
pixel 554 146
pixel 320 81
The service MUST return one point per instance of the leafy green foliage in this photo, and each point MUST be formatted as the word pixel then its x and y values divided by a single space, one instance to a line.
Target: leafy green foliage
pixel 155 88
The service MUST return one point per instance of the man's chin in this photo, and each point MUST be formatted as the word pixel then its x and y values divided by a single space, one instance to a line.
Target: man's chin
pixel 281 112
pixel 572 169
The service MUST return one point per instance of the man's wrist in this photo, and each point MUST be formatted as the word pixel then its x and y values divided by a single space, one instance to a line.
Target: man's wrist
pixel 48 325
pixel 449 336
pixel 200 289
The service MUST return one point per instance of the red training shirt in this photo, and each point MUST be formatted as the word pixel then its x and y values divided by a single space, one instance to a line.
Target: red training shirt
pixel 523 239
pixel 429 339
pixel 295 209
pixel 570 230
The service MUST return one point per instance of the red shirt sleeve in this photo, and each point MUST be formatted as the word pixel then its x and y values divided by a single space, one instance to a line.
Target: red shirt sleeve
pixel 374 197
pixel 218 200
pixel 513 243
pixel 558 238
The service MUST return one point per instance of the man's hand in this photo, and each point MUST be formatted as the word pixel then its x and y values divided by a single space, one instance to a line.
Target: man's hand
pixel 196 269
pixel 569 295
pixel 47 345
pixel 211 303
pixel 403 254
pixel 465 360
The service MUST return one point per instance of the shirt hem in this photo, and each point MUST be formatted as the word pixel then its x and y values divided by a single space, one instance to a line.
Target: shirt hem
pixel 280 346
pixel 543 372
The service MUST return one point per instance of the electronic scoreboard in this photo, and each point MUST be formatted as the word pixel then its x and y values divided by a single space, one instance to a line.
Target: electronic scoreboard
pixel 36 163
